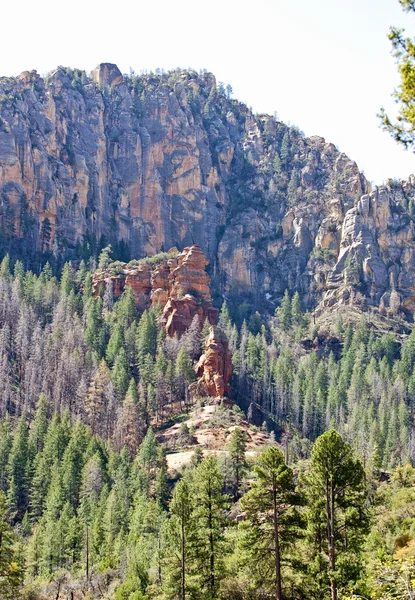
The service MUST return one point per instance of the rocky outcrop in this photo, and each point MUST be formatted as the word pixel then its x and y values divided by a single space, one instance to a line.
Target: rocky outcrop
pixel 165 160
pixel 176 281
pixel 214 368
pixel 376 260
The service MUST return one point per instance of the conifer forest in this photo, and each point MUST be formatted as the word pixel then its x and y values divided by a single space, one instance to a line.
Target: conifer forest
pixel 207 346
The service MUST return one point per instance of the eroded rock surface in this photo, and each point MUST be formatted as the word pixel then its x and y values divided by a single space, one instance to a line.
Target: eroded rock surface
pixel 178 282
pixel 376 260
pixel 214 368
pixel 169 159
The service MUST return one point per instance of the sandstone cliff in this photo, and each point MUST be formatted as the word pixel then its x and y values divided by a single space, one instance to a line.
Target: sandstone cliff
pixel 214 369
pixel 168 159
pixel 176 281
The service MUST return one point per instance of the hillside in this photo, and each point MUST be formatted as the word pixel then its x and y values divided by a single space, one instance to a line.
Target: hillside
pixel 207 355
pixel 126 415
pixel 155 161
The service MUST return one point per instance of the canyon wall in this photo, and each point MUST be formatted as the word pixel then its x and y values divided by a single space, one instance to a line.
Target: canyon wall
pixel 171 159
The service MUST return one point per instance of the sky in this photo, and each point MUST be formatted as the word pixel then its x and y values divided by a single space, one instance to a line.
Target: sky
pixel 323 65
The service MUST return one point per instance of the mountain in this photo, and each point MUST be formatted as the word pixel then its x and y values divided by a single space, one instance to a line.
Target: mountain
pixel 130 208
pixel 168 159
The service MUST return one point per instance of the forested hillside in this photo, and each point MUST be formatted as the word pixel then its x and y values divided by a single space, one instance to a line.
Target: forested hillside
pixel 89 506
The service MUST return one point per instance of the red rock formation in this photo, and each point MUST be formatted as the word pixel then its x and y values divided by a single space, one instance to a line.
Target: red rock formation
pixel 214 368
pixel 179 313
pixel 179 283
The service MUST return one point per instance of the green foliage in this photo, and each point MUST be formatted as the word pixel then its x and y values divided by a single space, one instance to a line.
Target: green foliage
pixel 86 478
pixel 336 491
pixel 11 571
pixel 272 523
pixel 284 312
pixel 104 258
pixel 404 51
pixel 208 543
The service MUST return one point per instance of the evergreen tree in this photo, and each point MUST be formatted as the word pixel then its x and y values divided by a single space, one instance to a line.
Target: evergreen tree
pixel 104 258
pixel 284 312
pixel 67 285
pixel 336 497
pixel 125 308
pixel 120 374
pixel 237 450
pixel 181 528
pixel 11 572
pixel 296 313
pixel 5 447
pixel 116 342
pixel 18 470
pixel 272 521
pixel 208 543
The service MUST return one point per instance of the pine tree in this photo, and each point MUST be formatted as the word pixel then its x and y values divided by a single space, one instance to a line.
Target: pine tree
pixel 116 342
pixel 11 572
pixel 73 462
pixel 125 308
pixel 284 312
pixel 237 450
pixel 120 375
pixel 18 470
pixel 205 333
pixel 105 257
pixel 146 336
pixel 5 267
pixel 208 543
pixel 225 317
pixel 272 521
pixel 180 532
pixel 336 496
pixel 296 313
pixel 67 285
pixel 5 447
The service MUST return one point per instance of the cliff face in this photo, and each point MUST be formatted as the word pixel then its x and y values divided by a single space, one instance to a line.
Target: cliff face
pixel 168 160
pixel 375 265
pixel 176 281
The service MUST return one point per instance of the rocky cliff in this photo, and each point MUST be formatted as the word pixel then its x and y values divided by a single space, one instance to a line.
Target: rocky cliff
pixel 176 281
pixel 214 368
pixel 375 264
pixel 170 159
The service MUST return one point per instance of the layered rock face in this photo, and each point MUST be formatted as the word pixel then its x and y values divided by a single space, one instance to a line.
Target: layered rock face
pixel 376 260
pixel 165 160
pixel 214 368
pixel 178 282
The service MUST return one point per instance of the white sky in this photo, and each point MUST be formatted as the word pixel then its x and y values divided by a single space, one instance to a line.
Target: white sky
pixel 324 65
